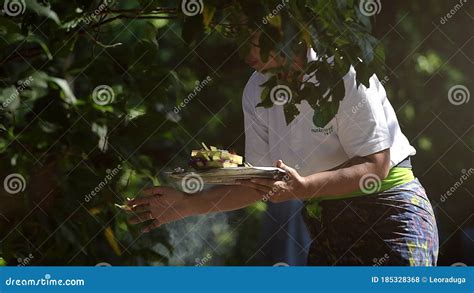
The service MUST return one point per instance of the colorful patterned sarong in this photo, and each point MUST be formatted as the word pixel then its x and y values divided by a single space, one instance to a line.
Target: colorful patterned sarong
pixel 393 227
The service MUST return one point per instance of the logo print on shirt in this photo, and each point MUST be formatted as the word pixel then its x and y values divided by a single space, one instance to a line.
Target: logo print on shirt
pixel 325 131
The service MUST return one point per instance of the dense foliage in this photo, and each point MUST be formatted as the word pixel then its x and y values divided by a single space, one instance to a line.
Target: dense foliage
pixel 96 100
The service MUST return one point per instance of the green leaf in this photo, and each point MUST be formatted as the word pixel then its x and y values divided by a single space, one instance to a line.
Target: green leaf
pixel 10 32
pixel 366 44
pixel 291 111
pixel 43 10
pixel 102 132
pixel 364 19
pixel 325 112
pixel 67 93
pixel 208 14
pixel 380 53
pixel 363 74
pixel 266 102
pixel 39 41
pixel 10 97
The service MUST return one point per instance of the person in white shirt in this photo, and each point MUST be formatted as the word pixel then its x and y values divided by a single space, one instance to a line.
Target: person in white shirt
pixel 362 201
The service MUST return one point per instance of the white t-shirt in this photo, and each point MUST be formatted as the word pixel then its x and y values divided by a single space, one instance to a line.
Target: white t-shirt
pixel 364 124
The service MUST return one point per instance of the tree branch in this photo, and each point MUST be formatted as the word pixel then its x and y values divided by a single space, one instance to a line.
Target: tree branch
pixel 123 16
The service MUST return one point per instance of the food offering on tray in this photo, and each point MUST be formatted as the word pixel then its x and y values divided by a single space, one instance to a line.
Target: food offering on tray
pixel 208 158
pixel 215 166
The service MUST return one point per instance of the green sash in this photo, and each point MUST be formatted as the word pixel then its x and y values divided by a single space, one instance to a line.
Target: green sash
pixel 396 177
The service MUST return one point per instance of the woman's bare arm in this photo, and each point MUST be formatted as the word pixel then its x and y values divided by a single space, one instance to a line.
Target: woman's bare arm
pixel 163 204
pixel 342 180
pixel 222 199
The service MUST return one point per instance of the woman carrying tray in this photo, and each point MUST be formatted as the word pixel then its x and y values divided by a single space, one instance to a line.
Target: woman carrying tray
pixel 363 205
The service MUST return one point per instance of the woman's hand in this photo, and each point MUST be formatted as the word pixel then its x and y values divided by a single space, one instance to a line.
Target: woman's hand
pixel 293 185
pixel 161 205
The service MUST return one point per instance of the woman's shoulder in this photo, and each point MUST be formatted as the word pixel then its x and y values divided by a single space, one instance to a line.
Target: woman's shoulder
pixel 253 87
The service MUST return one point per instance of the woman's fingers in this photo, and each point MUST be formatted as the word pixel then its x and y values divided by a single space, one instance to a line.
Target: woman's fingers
pixel 145 200
pixel 140 218
pixel 141 208
pixel 155 190
pixel 262 188
pixel 155 224
pixel 264 182
pixel 289 171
